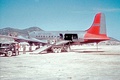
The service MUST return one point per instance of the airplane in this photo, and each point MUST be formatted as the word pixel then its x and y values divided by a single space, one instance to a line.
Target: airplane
pixel 96 33
pixel 58 41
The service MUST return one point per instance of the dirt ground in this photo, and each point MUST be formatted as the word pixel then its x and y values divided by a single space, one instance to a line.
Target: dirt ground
pixel 82 63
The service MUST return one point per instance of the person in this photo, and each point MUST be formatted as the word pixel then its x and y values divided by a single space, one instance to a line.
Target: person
pixel 17 46
pixel 30 48
pixel 24 49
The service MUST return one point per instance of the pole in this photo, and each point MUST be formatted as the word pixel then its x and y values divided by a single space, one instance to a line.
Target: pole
pixel 97 45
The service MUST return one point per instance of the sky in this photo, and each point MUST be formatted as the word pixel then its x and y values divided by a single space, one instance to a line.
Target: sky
pixel 59 15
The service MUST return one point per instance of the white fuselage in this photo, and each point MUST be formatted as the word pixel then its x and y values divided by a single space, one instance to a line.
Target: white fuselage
pixel 64 35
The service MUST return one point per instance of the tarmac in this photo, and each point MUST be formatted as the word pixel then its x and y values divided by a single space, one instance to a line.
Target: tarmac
pixel 82 63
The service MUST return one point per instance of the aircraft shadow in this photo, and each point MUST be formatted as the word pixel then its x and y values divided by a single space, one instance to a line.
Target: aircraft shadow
pixel 99 52
pixel 87 51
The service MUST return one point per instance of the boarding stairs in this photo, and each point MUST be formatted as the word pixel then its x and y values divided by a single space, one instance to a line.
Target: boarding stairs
pixel 47 46
pixel 61 42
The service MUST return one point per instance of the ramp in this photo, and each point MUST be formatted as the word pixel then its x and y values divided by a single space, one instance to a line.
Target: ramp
pixel 41 49
pixel 61 42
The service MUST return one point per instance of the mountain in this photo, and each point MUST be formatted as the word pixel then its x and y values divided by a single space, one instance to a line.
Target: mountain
pixel 17 32
pixel 112 41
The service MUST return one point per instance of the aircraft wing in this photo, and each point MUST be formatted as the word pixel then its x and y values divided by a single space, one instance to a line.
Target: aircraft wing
pixel 20 39
pixel 23 39
pixel 37 40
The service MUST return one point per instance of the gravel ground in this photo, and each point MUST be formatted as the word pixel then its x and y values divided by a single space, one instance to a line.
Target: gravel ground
pixel 82 63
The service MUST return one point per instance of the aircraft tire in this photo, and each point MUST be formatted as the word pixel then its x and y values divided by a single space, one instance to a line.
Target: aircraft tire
pixel 59 50
pixel 55 50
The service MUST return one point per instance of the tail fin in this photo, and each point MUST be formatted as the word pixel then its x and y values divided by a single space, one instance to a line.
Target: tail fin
pixel 99 25
pixel 98 29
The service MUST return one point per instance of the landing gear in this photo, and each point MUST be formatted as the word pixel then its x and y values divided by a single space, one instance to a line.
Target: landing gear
pixel 59 49
pixel 56 50
pixel 67 48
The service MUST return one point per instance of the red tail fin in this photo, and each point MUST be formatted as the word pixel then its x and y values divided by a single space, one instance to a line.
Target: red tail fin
pixel 99 25
pixel 98 28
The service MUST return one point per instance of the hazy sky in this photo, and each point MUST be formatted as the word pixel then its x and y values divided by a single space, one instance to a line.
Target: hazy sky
pixel 55 15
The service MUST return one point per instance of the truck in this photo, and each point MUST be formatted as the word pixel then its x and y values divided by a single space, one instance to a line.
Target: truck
pixel 9 49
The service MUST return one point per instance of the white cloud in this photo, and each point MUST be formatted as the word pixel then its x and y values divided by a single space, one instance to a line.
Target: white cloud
pixel 94 10
pixel 107 9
